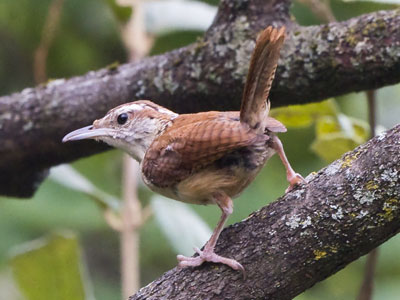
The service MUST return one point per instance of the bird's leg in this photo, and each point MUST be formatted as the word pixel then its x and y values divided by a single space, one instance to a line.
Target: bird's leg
pixel 208 254
pixel 293 177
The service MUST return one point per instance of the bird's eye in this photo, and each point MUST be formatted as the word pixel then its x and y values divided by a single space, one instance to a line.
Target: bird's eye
pixel 122 118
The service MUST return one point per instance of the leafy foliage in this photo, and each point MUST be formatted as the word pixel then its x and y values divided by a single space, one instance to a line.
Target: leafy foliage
pixel 70 178
pixel 304 115
pixel 335 132
pixel 335 136
pixel 121 13
pixel 51 268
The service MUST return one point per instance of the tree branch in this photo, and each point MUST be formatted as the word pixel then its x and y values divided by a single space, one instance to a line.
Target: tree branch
pixel 317 62
pixel 337 58
pixel 343 212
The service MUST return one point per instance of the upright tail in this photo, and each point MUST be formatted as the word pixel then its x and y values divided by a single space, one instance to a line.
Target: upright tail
pixel 255 105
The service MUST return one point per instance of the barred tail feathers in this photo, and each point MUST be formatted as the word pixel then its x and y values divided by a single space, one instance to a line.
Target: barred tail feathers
pixel 255 105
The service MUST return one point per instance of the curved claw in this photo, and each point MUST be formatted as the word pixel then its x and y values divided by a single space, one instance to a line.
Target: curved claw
pixel 208 256
pixel 181 258
pixel 197 250
pixel 294 180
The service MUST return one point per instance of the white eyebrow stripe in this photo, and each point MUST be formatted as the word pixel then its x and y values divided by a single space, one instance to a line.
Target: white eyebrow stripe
pixel 166 111
pixel 135 107
pixel 129 108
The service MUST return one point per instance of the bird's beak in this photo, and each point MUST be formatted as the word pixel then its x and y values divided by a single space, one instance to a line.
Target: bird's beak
pixel 87 132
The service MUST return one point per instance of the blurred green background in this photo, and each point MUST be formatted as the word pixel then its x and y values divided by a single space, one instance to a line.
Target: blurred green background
pixel 88 38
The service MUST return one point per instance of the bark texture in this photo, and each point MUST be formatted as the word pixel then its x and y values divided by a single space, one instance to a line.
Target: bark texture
pixel 317 62
pixel 342 213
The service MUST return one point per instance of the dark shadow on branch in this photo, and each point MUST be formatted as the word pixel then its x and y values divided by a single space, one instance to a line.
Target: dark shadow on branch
pixel 317 62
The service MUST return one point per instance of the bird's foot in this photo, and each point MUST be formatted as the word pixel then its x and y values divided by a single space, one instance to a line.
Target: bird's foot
pixel 294 180
pixel 210 256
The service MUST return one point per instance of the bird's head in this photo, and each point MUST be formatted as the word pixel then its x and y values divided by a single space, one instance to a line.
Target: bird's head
pixel 131 127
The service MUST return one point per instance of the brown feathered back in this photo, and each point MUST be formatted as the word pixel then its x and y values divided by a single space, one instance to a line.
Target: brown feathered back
pixel 193 143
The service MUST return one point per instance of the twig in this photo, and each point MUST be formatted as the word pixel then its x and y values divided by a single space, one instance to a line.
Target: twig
pixel 134 36
pixel 321 9
pixel 138 45
pixel 147 213
pixel 367 286
pixel 113 220
pixel 48 33
pixel 371 98
pixel 130 236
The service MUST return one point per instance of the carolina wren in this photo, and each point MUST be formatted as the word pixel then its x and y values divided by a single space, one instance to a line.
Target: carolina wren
pixel 203 158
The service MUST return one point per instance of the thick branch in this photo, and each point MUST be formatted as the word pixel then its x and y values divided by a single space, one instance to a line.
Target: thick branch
pixel 343 212
pixel 338 58
pixel 317 62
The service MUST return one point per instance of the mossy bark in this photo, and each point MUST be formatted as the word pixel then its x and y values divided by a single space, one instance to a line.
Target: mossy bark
pixel 343 212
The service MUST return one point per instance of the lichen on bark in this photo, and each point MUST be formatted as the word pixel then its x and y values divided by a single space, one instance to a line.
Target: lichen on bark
pixel 344 211
pixel 317 62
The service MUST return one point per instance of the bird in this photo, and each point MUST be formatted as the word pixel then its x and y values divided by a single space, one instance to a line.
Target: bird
pixel 206 157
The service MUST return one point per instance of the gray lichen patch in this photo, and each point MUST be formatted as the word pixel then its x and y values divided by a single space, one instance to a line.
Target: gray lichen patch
pixel 221 50
pixel 169 83
pixel 28 126
pixel 299 192
pixel 196 70
pixel 338 213
pixel 4 118
pixel 333 168
pixel 141 89
pixel 295 221
pixel 363 47
pixel 362 214
pixel 306 222
pixel 364 196
pixel 304 50
pixel 390 176
pixel 236 39
pixel 158 82
pixel 382 135
pixel 242 60
pixel 55 83
pixel 159 76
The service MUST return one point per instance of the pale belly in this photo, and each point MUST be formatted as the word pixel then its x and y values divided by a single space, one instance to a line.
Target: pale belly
pixel 230 175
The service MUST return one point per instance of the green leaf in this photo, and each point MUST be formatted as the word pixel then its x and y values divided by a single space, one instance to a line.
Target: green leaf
pixel 354 128
pixel 304 115
pixel 332 146
pixel 51 268
pixel 72 179
pixel 181 225
pixel 361 130
pixel 326 125
pixel 122 13
pixel 335 136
